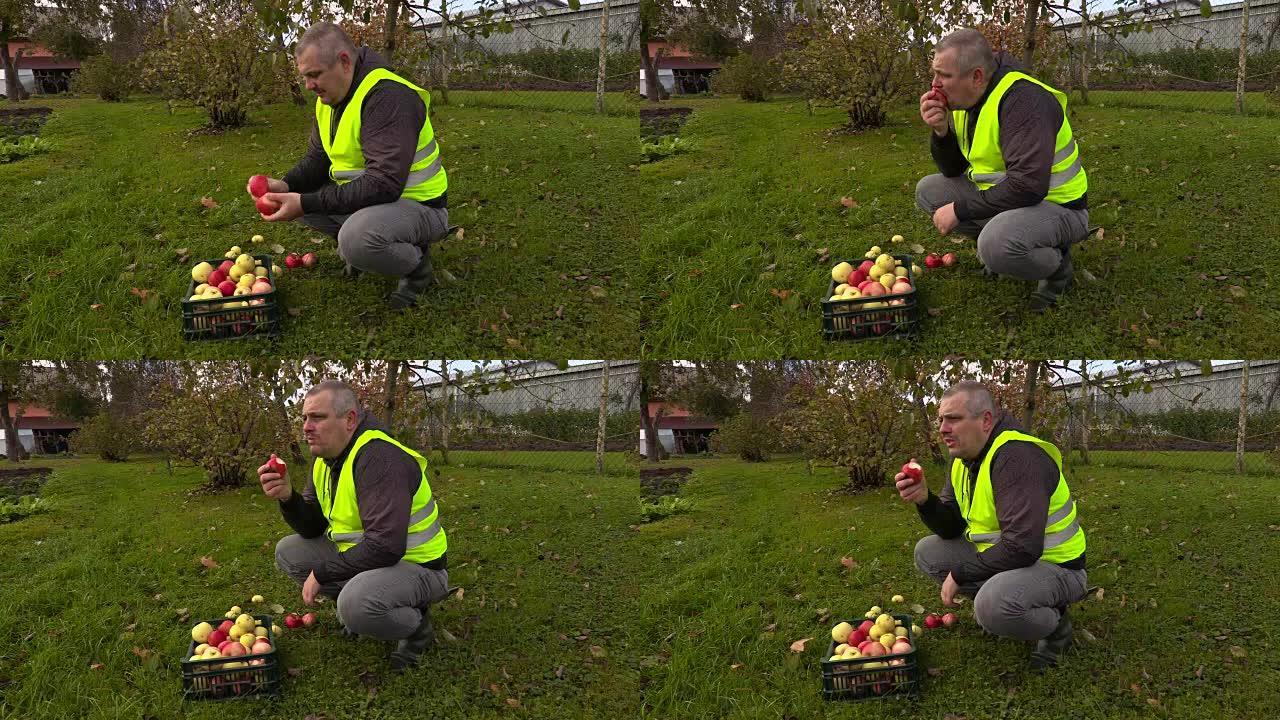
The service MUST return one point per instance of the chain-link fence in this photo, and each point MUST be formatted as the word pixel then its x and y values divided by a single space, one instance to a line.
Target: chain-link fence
pixel 547 55
pixel 535 415
pixel 1221 418
pixel 1172 55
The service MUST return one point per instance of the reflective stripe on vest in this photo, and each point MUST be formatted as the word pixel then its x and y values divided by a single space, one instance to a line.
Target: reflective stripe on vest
pixel 1064 539
pixel 425 539
pixel 1067 178
pixel 427 178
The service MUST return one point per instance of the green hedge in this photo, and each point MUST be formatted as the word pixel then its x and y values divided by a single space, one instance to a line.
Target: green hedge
pixel 579 65
pixel 1208 425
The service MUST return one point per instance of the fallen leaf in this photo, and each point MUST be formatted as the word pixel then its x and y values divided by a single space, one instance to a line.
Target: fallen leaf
pixel 1236 291
pixel 560 311
pixel 597 291
pixel 277 248
pixel 317 241
pixel 735 306
pixel 96 306
pixel 798 646
pixel 848 562
pixel 513 702
pixel 141 652
pixel 917 248
pixel 917 609
pixel 597 651
pixel 935 312
pixel 1099 594
pixel 96 666
pixel 208 562
pixel 294 312
pixel 457 595
pixel 1237 651
pixel 142 293
pixel 848 202
pixel 735 666
pixel 209 202
pixel 780 294
pixel 560 671
pixel 277 609
pixel 934 672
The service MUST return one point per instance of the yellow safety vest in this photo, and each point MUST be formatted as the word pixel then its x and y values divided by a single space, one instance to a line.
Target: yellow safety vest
pixel 426 539
pixel 1063 536
pixel 426 179
pixel 1067 180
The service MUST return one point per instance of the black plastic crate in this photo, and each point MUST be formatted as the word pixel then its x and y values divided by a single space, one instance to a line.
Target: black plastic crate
pixel 853 320
pixel 853 680
pixel 212 680
pixel 210 320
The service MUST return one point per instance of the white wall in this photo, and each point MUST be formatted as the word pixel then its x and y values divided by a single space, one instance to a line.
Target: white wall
pixel 666 437
pixel 26 437
pixel 28 80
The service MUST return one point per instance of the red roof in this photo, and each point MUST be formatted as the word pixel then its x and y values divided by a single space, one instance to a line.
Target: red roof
pixel 687 423
pixel 29 423
pixel 48 63
pixel 31 411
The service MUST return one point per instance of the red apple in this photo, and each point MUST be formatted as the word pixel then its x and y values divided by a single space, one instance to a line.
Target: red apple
pixel 261 646
pixel 875 289
pixel 309 260
pixel 235 649
pixel 275 465
pixel 216 638
pixel 900 647
pixel 949 259
pixel 900 288
pixel 856 637
pixel 222 646
pixel 939 94
pixel 226 626
pixel 875 649
pixel 932 261
pixel 866 626
pixel 862 646
pixel 866 266
pixel 856 277
pixel 309 619
pixel 216 277
pixel 949 619
pixel 292 621
pixel 226 265
pixel 292 260
pixel 266 206
pixel 913 470
pixel 932 621
pixel 226 287
pixel 258 186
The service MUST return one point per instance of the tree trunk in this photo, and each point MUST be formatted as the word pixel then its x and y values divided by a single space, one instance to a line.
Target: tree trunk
pixel 1029 46
pixel 1029 407
pixel 604 55
pixel 446 55
pixel 653 88
pixel 1085 403
pixel 604 415
pixel 296 455
pixel 653 447
pixel 1084 55
pixel 393 18
pixel 1271 36
pixel 862 478
pixel 12 85
pixel 295 92
pixel 12 444
pixel 1244 410
pixel 1244 55
pixel 931 440
pixel 389 385
pixel 1271 396
pixel 444 412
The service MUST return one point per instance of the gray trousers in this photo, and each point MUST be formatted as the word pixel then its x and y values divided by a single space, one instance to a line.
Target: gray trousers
pixel 386 603
pixel 1025 243
pixel 386 239
pixel 1025 603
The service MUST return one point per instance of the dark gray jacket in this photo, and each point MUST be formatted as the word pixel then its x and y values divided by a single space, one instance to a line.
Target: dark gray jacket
pixel 1030 118
pixel 390 119
pixel 386 479
pixel 1023 478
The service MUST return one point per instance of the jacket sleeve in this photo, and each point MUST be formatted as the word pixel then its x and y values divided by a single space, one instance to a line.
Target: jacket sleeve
pixel 390 120
pixel 1030 117
pixel 947 155
pixel 1023 478
pixel 302 512
pixel 386 479
pixel 312 171
pixel 942 515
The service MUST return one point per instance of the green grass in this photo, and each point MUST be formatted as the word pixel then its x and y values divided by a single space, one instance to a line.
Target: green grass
pixel 542 557
pixel 1255 463
pixel 544 198
pixel 746 213
pixel 615 103
pixel 615 463
pixel 1255 103
pixel 1183 551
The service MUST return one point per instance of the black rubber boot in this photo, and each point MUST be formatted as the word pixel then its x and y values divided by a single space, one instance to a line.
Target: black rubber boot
pixel 412 285
pixel 1054 644
pixel 350 272
pixel 1047 291
pixel 407 650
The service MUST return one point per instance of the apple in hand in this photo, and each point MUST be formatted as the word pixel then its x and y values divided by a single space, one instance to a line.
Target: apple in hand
pixel 265 206
pixel 913 470
pixel 258 186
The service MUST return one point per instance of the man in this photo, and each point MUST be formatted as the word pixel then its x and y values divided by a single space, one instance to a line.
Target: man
pixel 368 528
pixel 371 177
pixel 1006 530
pixel 1010 169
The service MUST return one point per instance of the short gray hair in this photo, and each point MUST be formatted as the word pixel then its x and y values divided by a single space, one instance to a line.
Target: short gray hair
pixel 972 51
pixel 329 39
pixel 341 395
pixel 978 398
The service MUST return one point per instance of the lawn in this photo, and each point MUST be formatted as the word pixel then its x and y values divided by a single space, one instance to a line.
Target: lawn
pixel 93 230
pixel 1185 626
pixel 91 594
pixel 1184 264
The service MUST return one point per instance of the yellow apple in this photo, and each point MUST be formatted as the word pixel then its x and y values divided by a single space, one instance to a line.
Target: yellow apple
pixel 247 640
pixel 256 239
pixel 235 273
pixel 875 250
pixel 275 629
pixel 899 272
pixel 200 632
pixel 276 269
pixel 887 280
pixel 840 272
pixel 246 263
pixel 896 239
pixel 235 632
pixel 875 272
pixel 840 632
pixel 260 272
pixel 200 272
pixel 260 632
pixel 900 631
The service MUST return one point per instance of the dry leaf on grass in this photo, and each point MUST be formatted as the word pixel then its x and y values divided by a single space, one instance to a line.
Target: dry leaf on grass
pixel 848 202
pixel 848 562
pixel 798 646
pixel 208 562
pixel 209 202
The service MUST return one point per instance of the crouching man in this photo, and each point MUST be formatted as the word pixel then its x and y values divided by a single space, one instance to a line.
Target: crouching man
pixel 368 527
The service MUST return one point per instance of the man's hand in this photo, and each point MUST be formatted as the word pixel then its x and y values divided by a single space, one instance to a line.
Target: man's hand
pixel 934 113
pixel 290 206
pixel 910 490
pixel 949 589
pixel 310 589
pixel 274 484
pixel 944 218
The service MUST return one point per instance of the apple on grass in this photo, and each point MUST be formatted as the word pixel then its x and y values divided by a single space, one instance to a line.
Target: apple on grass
pixel 309 260
pixel 949 619
pixel 949 259
pixel 932 621
pixel 292 260
pixel 932 261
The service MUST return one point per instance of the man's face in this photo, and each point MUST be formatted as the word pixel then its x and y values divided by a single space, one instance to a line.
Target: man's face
pixel 963 89
pixel 329 82
pixel 326 432
pixel 963 434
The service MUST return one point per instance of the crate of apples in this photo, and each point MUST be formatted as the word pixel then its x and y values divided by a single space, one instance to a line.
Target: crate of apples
pixel 872 658
pixel 232 297
pixel 874 298
pixel 232 658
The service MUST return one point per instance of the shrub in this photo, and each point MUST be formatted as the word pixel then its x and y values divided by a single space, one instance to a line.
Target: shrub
pixel 101 75
pixel 665 506
pixel 742 435
pixel 751 78
pixel 25 505
pixel 664 147
pixel 25 146
pixel 105 437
